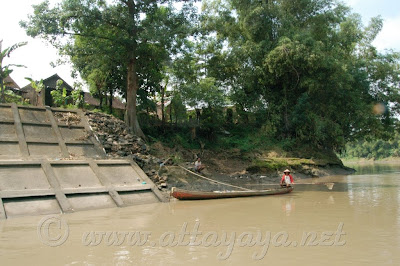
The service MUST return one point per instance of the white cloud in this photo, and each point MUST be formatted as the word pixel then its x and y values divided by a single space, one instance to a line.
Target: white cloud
pixel 389 37
pixel 352 3
pixel 36 55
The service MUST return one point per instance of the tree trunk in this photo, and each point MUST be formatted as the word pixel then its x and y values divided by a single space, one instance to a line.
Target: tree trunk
pixel 170 114
pixel 176 118
pixel 131 115
pixel 3 91
pixel 286 119
pixel 131 92
pixel 162 106
pixel 198 116
pixel 111 101
pixel 101 100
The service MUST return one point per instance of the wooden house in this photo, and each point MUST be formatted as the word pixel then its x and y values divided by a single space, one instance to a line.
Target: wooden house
pixel 43 99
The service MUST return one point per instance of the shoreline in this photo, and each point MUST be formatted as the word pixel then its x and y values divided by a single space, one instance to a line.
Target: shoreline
pixel 232 166
pixel 174 176
pixel 393 160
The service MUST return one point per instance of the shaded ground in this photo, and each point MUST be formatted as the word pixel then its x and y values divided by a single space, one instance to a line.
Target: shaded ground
pixel 250 170
pixel 234 168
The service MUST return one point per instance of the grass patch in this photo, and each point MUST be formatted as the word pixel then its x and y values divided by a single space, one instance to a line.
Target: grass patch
pixel 246 143
pixel 277 164
pixel 266 165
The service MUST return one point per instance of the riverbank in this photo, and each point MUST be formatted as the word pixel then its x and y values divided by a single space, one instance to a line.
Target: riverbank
pixel 250 169
pixel 388 160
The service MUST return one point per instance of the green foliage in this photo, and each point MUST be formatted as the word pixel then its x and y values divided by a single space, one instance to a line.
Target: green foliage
pixel 38 86
pixel 295 60
pixel 211 120
pixel 118 46
pixel 178 109
pixel 11 97
pixel 267 165
pixel 64 99
pixel 293 73
pixel 172 136
pixel 77 98
pixel 373 149
pixel 277 164
pixel 196 73
pixel 60 96
pixel 5 71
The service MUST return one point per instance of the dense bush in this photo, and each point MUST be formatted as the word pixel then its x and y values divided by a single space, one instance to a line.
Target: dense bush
pixel 374 149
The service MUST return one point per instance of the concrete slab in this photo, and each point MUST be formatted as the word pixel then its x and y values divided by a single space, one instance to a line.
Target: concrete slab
pixel 138 197
pixel 73 133
pixel 22 178
pixel 44 150
pixel 7 131
pixel 79 150
pixel 8 149
pixel 32 115
pixel 31 206
pixel 82 202
pixel 121 175
pixel 6 114
pixel 76 176
pixel 39 133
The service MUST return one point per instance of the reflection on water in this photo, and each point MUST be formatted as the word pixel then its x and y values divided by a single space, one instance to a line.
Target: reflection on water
pixel 366 204
pixel 288 205
pixel 374 167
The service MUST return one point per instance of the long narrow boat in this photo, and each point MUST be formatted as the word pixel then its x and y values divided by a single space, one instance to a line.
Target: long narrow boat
pixel 182 194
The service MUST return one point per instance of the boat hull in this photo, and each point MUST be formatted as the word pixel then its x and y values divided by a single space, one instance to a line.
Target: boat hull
pixel 182 194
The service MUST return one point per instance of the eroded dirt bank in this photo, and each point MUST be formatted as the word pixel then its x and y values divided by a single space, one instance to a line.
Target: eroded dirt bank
pixel 164 165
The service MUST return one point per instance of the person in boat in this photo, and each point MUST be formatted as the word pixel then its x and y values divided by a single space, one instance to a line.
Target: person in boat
pixel 287 179
pixel 198 166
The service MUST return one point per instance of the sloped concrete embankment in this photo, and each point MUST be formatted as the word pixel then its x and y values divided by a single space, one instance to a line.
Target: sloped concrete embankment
pixel 51 162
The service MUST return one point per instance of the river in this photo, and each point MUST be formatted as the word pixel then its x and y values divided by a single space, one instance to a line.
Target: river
pixel 357 223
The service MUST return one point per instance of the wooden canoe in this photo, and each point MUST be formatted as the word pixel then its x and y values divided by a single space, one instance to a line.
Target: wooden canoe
pixel 182 194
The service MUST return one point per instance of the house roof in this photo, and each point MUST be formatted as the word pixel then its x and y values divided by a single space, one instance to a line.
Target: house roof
pixel 89 99
pixel 10 83
pixel 27 87
pixel 52 82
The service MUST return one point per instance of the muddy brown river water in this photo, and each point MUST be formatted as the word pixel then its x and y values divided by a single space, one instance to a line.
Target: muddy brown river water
pixel 355 223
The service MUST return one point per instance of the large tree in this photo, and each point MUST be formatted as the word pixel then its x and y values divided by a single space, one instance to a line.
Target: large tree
pixel 310 64
pixel 126 31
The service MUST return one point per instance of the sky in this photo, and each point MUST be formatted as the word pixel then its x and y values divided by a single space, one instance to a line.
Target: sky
pixel 37 55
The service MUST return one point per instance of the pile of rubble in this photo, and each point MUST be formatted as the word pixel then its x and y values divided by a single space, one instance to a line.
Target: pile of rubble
pixel 159 176
pixel 116 139
pixel 68 118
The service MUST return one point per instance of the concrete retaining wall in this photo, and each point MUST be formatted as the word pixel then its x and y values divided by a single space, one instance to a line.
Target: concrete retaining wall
pixel 50 165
